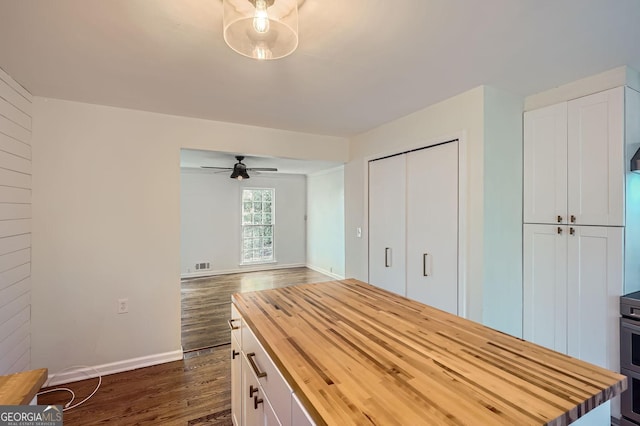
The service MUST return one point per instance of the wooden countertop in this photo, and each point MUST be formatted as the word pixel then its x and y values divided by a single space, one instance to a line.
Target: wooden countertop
pixel 356 354
pixel 21 388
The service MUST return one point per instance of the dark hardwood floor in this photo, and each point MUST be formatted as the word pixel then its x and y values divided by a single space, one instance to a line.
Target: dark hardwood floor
pixel 206 301
pixel 195 391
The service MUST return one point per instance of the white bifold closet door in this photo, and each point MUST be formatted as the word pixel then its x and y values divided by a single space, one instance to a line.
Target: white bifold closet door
pixel 387 244
pixel 432 226
pixel 413 225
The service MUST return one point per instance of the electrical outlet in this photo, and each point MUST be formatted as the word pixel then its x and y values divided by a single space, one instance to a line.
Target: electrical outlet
pixel 123 306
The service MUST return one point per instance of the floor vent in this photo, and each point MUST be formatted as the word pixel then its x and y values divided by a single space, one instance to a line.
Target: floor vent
pixel 203 265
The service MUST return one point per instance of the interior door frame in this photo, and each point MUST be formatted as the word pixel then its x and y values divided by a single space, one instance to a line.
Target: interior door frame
pixel 461 137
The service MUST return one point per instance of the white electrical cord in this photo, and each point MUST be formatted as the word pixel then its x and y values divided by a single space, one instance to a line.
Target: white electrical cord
pixel 68 405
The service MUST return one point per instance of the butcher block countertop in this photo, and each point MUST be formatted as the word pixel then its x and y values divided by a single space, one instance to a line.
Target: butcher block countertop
pixel 355 354
pixel 21 388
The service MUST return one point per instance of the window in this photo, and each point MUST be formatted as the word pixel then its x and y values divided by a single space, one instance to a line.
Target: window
pixel 258 208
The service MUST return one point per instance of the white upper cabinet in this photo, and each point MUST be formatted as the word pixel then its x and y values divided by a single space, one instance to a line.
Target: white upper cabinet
pixel 574 167
pixel 545 165
pixel 596 159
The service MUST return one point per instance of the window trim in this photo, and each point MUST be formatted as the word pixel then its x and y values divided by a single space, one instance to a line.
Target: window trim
pixel 273 227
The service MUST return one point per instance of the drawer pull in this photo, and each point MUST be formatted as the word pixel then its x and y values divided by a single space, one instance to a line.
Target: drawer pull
pixel 559 219
pixel 252 390
pixel 256 402
pixel 387 257
pixel 234 353
pixel 231 326
pixel 256 370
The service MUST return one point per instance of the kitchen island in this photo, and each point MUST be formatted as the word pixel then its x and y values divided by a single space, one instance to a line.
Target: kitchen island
pixel 350 353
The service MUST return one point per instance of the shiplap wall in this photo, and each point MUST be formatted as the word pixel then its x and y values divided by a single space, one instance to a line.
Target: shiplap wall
pixel 15 226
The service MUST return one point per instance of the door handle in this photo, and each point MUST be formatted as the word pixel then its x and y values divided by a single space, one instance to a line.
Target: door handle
pixel 387 257
pixel 426 271
pixel 256 370
pixel 231 326
pixel 256 402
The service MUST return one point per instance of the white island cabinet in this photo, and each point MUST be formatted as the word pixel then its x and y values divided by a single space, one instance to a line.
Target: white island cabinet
pixel 260 395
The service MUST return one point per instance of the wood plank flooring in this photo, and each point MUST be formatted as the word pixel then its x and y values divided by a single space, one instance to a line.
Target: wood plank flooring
pixel 195 391
pixel 206 302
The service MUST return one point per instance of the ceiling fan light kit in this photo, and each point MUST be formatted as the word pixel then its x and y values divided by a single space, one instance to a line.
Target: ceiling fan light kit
pixel 261 29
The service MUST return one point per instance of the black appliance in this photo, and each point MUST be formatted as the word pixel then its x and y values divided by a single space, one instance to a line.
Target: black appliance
pixel 630 357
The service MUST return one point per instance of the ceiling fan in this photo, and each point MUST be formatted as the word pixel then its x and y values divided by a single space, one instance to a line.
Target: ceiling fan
pixel 240 169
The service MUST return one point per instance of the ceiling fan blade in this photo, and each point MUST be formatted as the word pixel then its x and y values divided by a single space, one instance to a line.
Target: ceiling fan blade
pixel 262 169
pixel 219 168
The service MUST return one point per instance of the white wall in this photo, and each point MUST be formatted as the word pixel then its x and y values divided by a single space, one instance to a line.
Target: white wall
pixel 488 123
pixel 15 226
pixel 211 227
pixel 502 286
pixel 460 115
pixel 106 209
pixel 325 222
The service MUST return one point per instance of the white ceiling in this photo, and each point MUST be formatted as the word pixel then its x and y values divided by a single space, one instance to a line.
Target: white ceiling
pixel 360 63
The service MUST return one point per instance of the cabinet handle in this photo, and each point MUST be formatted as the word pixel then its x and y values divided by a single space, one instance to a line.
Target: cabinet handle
pixel 573 219
pixel 559 219
pixel 256 401
pixel 424 265
pixel 256 370
pixel 234 353
pixel 252 390
pixel 559 230
pixel 572 231
pixel 387 258
pixel 231 326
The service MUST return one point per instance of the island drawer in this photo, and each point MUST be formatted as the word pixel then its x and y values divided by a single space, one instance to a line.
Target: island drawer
pixel 274 385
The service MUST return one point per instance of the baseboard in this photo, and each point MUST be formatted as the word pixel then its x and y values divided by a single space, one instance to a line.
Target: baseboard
pixel 322 271
pixel 85 372
pixel 250 268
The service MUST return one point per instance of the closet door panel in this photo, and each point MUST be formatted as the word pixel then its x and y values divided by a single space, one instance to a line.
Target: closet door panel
pixel 432 223
pixel 387 226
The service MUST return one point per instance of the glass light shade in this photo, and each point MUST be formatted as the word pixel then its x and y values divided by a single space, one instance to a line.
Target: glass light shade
pixel 240 33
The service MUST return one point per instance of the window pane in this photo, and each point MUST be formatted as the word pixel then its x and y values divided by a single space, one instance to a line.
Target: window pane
pixel 247 231
pixel 267 219
pixel 266 195
pixel 268 242
pixel 257 207
pixel 246 207
pixel 247 195
pixel 266 208
pixel 268 231
pixel 257 195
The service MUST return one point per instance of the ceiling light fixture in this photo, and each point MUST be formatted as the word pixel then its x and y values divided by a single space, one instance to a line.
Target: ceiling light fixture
pixel 261 29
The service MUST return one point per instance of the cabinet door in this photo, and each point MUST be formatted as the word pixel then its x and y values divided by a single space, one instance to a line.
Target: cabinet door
pixel 545 286
pixel 595 267
pixel 596 159
pixel 236 382
pixel 253 412
pixel 545 165
pixel 387 178
pixel 432 224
